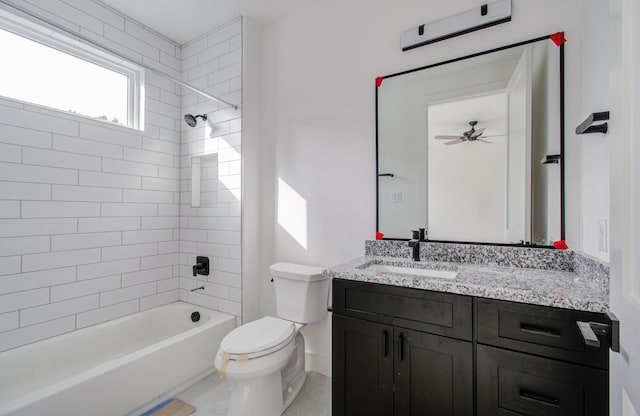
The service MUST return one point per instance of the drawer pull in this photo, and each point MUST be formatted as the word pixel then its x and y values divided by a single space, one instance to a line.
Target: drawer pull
pixel 539 398
pixel 384 344
pixel 538 330
pixel 401 347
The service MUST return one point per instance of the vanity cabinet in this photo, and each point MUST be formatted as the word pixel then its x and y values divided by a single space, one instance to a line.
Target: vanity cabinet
pixel 399 351
pixel 402 351
pixel 532 360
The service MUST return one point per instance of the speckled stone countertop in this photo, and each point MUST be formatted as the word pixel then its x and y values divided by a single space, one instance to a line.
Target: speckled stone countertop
pixel 558 288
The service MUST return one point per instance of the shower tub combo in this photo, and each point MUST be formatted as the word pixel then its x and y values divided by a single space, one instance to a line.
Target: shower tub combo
pixel 113 368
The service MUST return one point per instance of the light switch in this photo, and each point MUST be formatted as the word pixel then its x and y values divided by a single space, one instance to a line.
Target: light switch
pixel 396 197
pixel 603 236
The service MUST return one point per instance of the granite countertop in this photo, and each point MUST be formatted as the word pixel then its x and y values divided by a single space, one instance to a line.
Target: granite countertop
pixel 562 289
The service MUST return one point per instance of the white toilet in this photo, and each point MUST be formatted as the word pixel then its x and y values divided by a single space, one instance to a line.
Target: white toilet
pixel 264 359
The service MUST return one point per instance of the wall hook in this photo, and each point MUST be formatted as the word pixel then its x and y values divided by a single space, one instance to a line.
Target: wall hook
pixel 550 159
pixel 587 126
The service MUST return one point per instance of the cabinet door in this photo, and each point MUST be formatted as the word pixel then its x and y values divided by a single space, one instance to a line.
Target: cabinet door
pixel 362 368
pixel 433 375
pixel 513 383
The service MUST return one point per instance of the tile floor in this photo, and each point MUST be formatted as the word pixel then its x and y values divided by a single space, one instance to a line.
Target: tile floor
pixel 211 397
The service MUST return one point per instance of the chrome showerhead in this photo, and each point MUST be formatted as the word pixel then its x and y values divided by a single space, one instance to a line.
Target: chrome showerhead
pixel 191 120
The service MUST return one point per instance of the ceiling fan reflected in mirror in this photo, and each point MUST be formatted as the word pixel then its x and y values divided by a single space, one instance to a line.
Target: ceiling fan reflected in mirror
pixel 471 135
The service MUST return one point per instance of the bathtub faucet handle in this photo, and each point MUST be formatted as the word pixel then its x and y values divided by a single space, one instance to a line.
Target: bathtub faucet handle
pixel 196 268
pixel 201 266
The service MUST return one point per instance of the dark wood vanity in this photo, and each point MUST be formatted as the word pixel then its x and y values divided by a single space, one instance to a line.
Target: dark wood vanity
pixel 406 351
pixel 481 343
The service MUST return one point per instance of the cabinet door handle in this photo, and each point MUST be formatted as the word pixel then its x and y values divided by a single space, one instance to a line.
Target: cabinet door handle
pixel 539 398
pixel 589 335
pixel 401 347
pixel 611 331
pixel 538 330
pixel 384 344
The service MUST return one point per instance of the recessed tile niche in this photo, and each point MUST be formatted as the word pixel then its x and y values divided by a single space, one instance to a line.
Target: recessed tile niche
pixel 204 180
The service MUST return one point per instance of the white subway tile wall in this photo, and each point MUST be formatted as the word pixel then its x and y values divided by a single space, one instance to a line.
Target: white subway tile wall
pixel 92 223
pixel 214 63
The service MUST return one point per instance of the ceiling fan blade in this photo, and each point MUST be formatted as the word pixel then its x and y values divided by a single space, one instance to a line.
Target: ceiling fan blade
pixel 454 142
pixel 477 133
pixel 483 141
pixel 447 137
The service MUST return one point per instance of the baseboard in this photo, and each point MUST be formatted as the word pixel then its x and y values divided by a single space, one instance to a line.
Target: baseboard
pixel 318 363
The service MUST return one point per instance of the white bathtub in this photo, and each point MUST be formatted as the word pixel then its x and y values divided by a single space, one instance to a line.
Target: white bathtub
pixel 113 368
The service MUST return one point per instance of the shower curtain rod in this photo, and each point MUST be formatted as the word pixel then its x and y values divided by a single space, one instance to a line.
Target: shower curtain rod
pixel 81 38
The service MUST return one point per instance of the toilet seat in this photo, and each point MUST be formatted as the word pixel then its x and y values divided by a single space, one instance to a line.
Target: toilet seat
pixel 257 339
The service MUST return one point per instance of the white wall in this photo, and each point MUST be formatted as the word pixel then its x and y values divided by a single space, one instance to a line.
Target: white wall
pixel 89 228
pixel 213 63
pixel 252 152
pixel 595 147
pixel 318 117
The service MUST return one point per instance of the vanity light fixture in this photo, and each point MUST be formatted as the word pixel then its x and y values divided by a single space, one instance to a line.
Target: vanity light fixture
pixel 484 16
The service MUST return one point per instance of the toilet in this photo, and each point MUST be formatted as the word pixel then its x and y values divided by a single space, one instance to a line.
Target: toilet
pixel 265 359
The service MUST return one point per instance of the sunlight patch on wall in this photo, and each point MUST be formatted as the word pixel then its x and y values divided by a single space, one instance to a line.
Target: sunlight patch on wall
pixel 210 145
pixel 292 212
pixel 232 183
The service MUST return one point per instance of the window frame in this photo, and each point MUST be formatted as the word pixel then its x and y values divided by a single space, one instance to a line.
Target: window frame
pixel 80 49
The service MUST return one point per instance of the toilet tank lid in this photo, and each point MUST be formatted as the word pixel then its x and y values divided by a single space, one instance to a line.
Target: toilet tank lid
pixel 297 272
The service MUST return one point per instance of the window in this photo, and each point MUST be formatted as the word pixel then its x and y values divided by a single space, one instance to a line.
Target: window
pixel 61 73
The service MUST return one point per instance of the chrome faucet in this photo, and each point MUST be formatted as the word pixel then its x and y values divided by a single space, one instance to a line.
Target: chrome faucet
pixel 414 244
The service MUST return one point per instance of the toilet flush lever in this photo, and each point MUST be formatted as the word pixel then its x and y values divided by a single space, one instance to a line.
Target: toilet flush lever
pixel 201 266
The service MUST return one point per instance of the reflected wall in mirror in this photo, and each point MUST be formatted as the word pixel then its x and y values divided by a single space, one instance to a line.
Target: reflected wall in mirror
pixel 460 145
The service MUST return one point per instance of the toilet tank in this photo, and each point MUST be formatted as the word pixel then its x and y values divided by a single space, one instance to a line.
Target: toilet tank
pixel 301 292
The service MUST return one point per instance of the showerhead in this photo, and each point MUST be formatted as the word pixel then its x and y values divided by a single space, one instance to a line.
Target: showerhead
pixel 191 120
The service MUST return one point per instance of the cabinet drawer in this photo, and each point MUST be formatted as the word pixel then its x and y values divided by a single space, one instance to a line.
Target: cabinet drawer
pixel 540 330
pixel 422 310
pixel 510 383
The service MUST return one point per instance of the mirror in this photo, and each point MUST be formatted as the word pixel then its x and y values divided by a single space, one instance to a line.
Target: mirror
pixel 460 146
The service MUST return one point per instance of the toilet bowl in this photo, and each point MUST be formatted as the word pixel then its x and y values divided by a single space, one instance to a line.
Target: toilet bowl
pixel 265 359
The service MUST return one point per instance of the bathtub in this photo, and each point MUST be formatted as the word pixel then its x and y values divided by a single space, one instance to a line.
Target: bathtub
pixel 112 368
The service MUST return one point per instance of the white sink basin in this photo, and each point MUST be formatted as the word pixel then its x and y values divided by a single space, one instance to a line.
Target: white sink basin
pixel 415 271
